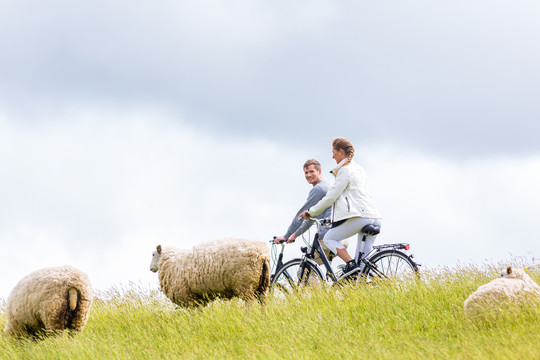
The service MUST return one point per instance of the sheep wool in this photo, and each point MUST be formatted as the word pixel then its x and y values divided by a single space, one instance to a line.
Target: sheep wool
pixel 224 268
pixel 514 286
pixel 51 299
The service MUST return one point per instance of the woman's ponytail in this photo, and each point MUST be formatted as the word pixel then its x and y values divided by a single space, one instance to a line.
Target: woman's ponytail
pixel 348 148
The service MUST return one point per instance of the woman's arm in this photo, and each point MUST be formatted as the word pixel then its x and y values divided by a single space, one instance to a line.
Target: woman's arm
pixel 342 180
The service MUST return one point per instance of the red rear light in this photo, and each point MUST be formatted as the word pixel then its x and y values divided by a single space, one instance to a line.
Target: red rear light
pixel 406 246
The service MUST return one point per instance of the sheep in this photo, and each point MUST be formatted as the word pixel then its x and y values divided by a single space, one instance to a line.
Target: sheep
pixel 513 286
pixel 48 301
pixel 224 268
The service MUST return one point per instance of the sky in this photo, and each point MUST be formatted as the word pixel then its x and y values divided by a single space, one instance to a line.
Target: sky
pixel 127 125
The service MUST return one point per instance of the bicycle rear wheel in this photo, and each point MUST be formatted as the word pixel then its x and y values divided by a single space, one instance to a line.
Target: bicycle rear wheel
pixel 391 264
pixel 295 274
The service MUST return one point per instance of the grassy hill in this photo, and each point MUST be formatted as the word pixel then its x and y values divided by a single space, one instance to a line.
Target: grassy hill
pixel 421 320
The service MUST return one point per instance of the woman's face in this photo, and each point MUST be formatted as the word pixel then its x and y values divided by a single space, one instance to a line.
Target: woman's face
pixel 338 155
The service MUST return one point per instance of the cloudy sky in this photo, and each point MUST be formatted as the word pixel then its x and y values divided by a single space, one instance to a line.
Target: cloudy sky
pixel 126 125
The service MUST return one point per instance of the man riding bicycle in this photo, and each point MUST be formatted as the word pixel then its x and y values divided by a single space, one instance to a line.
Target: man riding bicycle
pixel 313 174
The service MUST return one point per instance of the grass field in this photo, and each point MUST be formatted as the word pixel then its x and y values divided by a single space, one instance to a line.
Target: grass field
pixel 423 320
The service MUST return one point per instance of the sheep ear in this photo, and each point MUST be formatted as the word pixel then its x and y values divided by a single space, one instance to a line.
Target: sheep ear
pixel 509 270
pixel 158 248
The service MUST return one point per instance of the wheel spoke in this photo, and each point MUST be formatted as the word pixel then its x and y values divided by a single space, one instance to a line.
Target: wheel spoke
pixel 294 275
pixel 393 265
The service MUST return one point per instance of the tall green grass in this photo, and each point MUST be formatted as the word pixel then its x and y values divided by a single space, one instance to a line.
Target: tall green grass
pixel 424 319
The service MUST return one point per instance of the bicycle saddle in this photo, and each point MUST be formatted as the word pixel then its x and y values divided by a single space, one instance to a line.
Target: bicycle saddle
pixel 371 229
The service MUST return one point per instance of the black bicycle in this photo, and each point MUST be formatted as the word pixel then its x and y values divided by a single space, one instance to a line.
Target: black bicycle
pixel 387 261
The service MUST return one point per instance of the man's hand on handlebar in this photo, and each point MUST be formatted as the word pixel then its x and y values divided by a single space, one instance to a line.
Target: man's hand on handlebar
pixel 281 239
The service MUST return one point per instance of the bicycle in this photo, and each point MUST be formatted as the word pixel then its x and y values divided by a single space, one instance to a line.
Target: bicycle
pixel 387 261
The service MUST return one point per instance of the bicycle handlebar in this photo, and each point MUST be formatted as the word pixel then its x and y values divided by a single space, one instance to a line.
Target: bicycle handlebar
pixel 273 240
pixel 319 222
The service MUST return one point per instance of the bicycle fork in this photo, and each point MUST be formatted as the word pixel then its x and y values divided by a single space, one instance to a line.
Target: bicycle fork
pixel 304 271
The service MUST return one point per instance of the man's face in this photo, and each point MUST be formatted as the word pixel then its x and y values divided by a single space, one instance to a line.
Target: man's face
pixel 313 176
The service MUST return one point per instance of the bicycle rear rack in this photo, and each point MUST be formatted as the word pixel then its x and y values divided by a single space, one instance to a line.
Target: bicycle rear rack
pixel 398 246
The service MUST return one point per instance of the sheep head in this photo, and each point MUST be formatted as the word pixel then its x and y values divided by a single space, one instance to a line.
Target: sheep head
pixel 511 273
pixel 506 272
pixel 155 259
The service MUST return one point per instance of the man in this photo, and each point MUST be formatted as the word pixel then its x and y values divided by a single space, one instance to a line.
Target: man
pixel 313 174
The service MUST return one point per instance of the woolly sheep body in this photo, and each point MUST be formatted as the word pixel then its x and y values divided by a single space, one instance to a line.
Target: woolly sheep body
pixel 224 268
pixel 513 286
pixel 50 299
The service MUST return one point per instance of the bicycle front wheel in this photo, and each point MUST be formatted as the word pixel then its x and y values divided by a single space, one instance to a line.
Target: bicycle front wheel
pixel 293 275
pixel 390 264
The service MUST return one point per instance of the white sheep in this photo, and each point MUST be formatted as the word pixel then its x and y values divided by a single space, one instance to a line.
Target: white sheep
pixel 513 286
pixel 49 300
pixel 224 268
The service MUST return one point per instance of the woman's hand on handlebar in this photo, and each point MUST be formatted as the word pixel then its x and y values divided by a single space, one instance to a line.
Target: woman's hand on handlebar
pixel 305 215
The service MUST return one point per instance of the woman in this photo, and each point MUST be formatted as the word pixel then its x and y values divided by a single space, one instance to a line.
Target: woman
pixel 352 206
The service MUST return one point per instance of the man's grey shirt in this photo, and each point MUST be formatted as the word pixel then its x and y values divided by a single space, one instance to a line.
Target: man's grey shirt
pixel 299 226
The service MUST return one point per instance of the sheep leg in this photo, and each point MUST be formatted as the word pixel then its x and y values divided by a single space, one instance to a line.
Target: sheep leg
pixel 13 327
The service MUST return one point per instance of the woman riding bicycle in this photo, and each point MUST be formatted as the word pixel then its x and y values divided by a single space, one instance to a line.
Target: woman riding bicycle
pixel 352 206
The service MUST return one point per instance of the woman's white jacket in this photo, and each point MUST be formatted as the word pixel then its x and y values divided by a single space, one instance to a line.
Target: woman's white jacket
pixel 349 195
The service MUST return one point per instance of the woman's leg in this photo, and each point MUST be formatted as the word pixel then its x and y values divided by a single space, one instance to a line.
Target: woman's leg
pixel 343 255
pixel 370 240
pixel 349 228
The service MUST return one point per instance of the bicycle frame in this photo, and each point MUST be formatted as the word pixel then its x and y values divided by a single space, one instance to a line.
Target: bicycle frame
pixel 369 269
pixel 309 256
pixel 316 247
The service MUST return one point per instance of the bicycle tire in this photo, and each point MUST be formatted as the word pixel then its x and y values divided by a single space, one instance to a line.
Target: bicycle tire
pixel 287 280
pixel 391 264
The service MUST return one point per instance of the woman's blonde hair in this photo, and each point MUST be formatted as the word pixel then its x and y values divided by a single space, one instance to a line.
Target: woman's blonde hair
pixel 348 148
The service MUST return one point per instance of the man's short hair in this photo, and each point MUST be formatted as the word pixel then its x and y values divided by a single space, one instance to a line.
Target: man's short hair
pixel 312 162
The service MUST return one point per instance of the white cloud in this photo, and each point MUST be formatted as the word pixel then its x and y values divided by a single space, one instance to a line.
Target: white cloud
pixel 452 77
pixel 101 187
pixel 99 190
pixel 124 124
pixel 449 211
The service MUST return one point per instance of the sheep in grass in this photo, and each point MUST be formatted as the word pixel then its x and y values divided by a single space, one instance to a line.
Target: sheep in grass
pixel 47 301
pixel 219 269
pixel 513 287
